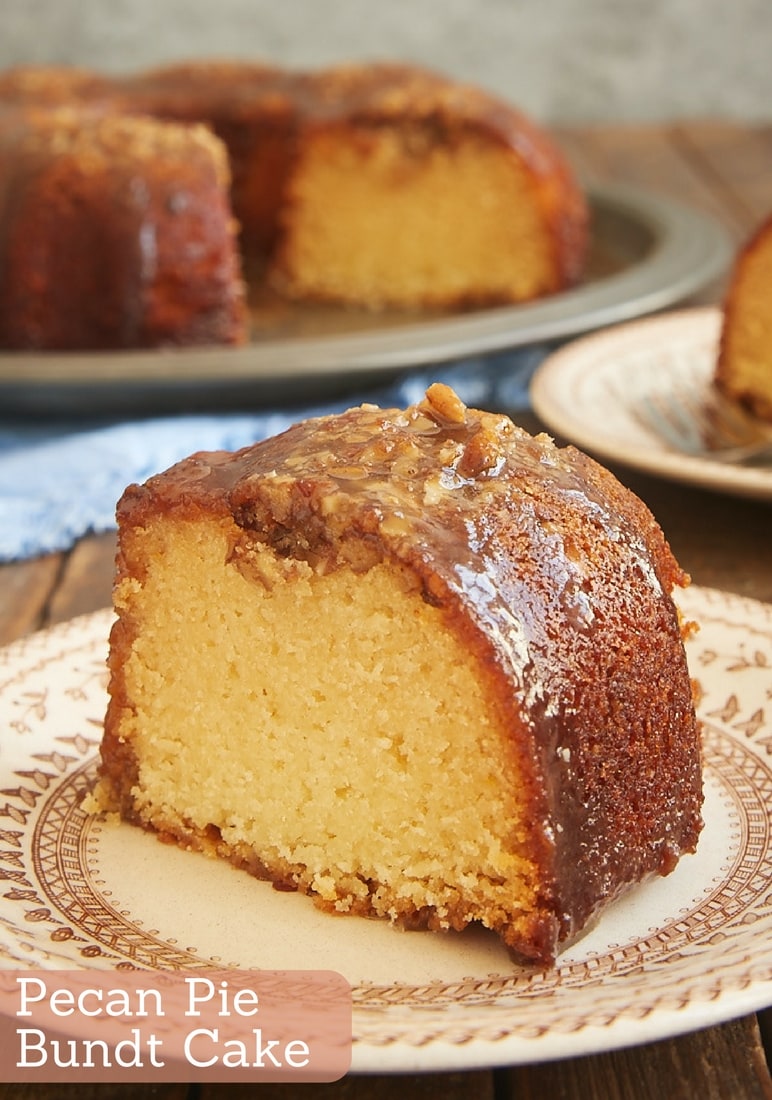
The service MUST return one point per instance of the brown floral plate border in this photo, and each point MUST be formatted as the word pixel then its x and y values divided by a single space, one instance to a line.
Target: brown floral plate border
pixel 674 955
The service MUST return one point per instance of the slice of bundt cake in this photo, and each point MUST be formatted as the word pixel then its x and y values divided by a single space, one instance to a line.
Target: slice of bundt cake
pixel 744 368
pixel 417 664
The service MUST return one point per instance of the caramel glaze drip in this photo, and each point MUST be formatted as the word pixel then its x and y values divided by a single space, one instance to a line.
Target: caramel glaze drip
pixel 556 575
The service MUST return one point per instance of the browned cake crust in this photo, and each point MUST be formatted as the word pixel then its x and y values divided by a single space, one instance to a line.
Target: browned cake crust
pixel 116 233
pixel 553 578
pixel 533 215
pixel 744 367
pixel 54 86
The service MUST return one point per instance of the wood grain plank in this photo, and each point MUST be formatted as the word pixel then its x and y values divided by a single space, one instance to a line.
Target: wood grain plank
pixel 25 588
pixel 86 579
pixel 738 161
pixel 85 1091
pixel 410 1086
pixel 723 1063
pixel 765 1028
pixel 651 157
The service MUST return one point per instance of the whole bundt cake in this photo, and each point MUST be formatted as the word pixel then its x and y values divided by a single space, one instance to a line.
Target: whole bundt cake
pixel 377 186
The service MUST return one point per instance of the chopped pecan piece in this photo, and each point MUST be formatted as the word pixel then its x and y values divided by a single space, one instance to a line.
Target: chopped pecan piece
pixel 443 405
pixel 482 452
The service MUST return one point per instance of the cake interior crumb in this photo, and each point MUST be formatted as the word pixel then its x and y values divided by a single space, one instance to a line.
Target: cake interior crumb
pixel 357 191
pixel 322 726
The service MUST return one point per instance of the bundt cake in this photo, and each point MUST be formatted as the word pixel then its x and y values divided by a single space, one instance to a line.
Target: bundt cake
pixel 116 233
pixel 370 185
pixel 418 664
pixel 744 368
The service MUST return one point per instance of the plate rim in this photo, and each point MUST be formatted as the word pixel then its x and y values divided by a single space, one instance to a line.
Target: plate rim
pixel 669 464
pixel 438 1055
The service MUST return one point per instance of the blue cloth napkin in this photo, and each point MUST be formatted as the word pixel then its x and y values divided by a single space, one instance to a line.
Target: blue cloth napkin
pixel 60 480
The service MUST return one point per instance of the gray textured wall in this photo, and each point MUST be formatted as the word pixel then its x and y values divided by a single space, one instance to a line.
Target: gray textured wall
pixel 562 60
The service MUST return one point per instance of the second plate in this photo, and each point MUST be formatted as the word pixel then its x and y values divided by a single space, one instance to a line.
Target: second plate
pixel 593 390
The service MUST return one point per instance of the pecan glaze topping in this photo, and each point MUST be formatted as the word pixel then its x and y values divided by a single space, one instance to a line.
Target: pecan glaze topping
pixel 437 473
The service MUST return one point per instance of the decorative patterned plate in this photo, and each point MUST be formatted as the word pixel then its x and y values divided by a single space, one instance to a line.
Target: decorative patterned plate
pixel 674 955
pixel 591 390
pixel 647 252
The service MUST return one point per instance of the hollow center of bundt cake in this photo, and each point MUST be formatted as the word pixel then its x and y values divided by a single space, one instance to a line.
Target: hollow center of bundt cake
pixel 468 227
pixel 324 727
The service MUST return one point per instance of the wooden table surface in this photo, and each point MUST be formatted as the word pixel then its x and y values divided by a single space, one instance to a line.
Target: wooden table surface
pixel 725 169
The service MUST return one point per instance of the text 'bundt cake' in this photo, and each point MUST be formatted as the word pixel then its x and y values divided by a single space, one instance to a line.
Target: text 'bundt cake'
pixel 417 664
pixel 379 186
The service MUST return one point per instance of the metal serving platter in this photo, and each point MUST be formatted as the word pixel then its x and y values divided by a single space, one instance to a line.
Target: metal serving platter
pixel 647 252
